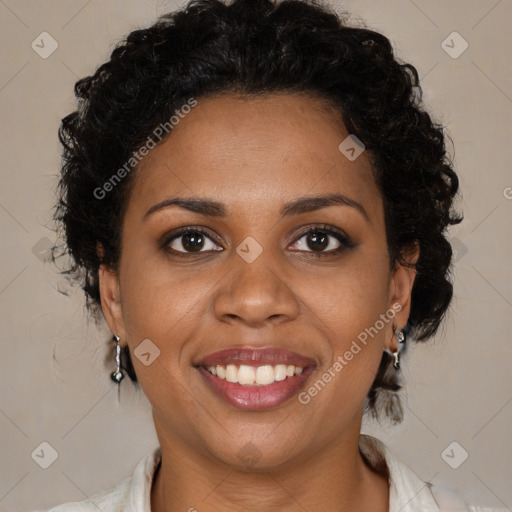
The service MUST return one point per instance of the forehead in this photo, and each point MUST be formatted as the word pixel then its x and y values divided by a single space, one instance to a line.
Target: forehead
pixel 254 150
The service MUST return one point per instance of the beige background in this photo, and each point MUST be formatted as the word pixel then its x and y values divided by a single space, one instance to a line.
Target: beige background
pixel 55 387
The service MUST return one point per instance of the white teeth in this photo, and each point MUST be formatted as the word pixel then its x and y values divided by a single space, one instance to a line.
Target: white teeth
pixel 252 375
pixel 265 375
pixel 231 373
pixel 280 372
pixel 246 374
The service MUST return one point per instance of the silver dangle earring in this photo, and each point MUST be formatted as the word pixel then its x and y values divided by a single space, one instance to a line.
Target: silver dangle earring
pixel 118 375
pixel 400 336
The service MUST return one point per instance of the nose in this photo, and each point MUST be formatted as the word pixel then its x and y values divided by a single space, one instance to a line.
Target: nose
pixel 255 294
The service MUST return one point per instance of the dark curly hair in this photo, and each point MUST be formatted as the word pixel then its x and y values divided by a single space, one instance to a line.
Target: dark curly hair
pixel 255 47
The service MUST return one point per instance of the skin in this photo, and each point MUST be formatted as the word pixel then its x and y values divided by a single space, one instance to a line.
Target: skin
pixel 253 155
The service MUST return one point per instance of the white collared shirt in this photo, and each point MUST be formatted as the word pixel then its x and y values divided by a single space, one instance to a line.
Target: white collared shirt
pixel 407 492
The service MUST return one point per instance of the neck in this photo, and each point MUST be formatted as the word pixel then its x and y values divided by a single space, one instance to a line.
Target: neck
pixel 335 478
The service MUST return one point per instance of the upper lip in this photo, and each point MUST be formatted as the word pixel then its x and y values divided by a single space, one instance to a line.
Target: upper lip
pixel 255 357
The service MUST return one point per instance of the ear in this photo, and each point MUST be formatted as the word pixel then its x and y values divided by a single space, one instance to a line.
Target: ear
pixel 111 298
pixel 400 288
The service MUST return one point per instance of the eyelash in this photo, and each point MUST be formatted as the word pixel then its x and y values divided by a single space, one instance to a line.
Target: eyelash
pixel 345 241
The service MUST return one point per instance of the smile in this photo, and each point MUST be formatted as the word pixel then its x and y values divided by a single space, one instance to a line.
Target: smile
pixel 255 378
pixel 255 375
pixel 260 387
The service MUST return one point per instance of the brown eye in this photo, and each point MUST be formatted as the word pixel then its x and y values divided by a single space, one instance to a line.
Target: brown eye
pixel 191 241
pixel 317 240
pixel 323 241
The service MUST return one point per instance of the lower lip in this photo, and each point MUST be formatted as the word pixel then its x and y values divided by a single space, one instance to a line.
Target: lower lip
pixel 256 398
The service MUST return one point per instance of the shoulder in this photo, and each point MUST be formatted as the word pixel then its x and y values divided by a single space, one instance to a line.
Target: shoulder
pixel 112 500
pixel 476 508
pixel 449 500
pixel 133 494
pixel 408 493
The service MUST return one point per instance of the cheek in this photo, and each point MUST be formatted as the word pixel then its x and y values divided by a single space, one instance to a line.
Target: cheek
pixel 350 321
pixel 351 308
pixel 160 313
pixel 351 296
pixel 157 299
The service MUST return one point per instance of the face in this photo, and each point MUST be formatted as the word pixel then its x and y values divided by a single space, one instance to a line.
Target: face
pixel 247 275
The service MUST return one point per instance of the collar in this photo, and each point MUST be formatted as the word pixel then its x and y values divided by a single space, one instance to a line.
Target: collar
pixel 407 493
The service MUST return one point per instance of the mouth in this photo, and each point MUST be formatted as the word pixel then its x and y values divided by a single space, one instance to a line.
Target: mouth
pixel 255 379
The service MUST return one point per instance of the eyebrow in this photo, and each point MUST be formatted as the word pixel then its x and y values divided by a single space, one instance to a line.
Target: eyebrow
pixel 212 208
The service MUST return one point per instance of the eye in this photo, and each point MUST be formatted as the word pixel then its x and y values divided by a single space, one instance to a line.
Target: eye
pixel 190 241
pixel 323 241
pixel 318 241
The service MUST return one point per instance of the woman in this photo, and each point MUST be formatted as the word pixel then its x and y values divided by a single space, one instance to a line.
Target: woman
pixel 256 202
